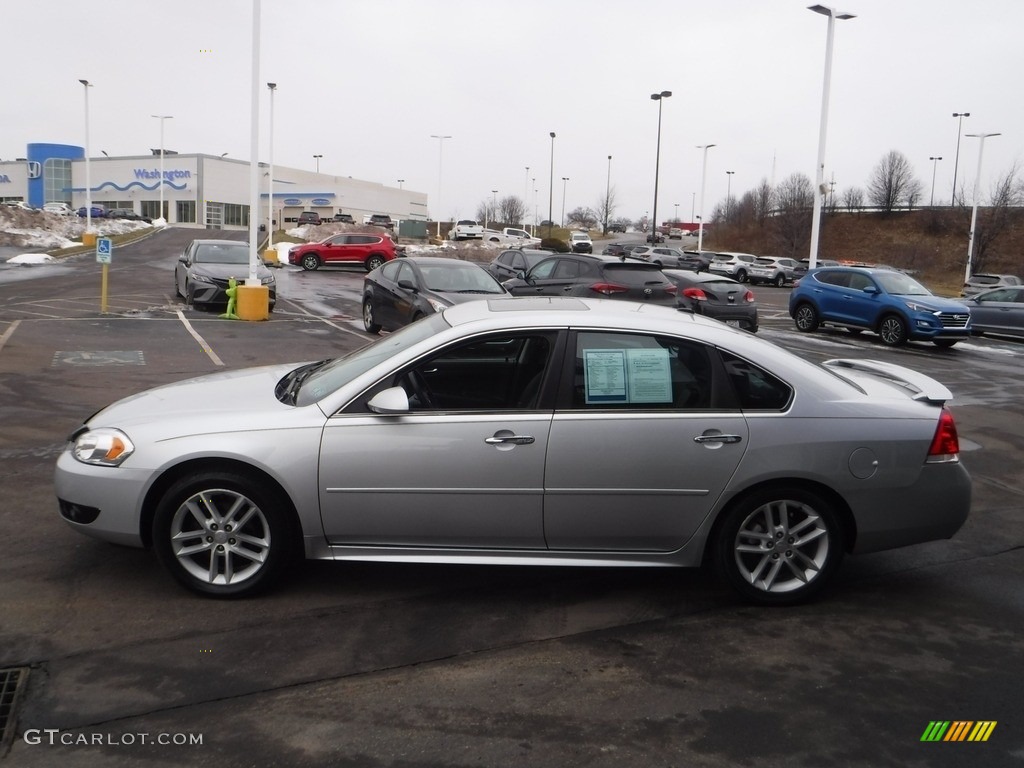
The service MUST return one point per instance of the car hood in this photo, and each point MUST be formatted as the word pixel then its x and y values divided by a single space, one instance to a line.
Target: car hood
pixel 224 271
pixel 230 394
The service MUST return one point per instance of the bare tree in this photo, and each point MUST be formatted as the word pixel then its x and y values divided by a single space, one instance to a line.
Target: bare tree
pixel 512 210
pixel 605 208
pixel 892 182
pixel 582 217
pixel 764 201
pixel 853 199
pixel 1001 214
pixel 794 203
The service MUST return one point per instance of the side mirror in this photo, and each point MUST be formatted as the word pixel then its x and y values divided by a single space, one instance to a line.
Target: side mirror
pixel 392 400
pixel 183 258
pixel 871 290
pixel 408 285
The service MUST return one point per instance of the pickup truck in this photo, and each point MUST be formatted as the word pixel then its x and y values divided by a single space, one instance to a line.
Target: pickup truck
pixel 511 236
pixel 466 229
pixel 379 220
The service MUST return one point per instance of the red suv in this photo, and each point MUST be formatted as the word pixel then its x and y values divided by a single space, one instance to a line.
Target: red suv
pixel 369 250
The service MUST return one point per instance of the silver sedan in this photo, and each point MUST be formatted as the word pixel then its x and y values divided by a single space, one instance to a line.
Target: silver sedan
pixel 534 431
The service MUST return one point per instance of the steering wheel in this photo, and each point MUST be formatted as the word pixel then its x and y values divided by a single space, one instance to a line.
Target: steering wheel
pixel 419 389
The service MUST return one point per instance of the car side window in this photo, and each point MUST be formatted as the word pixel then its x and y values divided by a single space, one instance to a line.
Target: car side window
pixel 495 373
pixel 518 262
pixel 567 268
pixel 840 279
pixel 628 371
pixel 859 282
pixel 390 270
pixel 338 240
pixel 756 389
pixel 543 270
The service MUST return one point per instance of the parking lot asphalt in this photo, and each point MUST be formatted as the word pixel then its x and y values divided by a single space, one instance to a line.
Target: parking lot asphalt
pixel 380 665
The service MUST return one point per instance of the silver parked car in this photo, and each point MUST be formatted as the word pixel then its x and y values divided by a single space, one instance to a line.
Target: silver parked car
pixel 999 311
pixel 534 431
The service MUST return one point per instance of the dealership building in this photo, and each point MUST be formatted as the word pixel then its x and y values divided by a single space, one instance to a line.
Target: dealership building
pixel 198 190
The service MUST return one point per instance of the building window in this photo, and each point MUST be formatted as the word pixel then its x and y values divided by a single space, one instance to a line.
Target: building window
pixel 151 209
pixel 56 180
pixel 186 210
pixel 236 215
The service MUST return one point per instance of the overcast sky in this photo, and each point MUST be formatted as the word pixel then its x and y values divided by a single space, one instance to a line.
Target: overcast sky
pixel 365 83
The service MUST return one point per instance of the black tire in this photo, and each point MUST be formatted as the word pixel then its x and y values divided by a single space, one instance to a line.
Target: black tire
pixel 368 319
pixel 893 330
pixel 373 261
pixel 177 289
pixel 779 546
pixel 944 343
pixel 250 560
pixel 780 281
pixel 741 275
pixel 806 318
pixel 310 261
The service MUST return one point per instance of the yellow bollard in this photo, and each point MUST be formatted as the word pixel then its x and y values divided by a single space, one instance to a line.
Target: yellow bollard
pixel 89 239
pixel 270 255
pixel 253 302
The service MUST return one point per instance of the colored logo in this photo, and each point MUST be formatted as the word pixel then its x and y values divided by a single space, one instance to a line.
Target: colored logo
pixel 958 730
pixel 320 201
pixel 292 201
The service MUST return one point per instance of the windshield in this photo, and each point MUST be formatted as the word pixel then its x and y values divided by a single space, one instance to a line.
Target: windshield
pixel 223 254
pixel 341 370
pixel 460 278
pixel 900 284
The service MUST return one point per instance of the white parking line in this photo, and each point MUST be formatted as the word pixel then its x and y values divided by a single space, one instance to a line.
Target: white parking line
pixel 202 342
pixel 8 333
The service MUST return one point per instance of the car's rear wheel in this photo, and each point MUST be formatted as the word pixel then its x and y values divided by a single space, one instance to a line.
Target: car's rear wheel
pixel 944 343
pixel 310 261
pixel 369 323
pixel 223 533
pixel 780 280
pixel 806 318
pixel 893 330
pixel 373 262
pixel 779 546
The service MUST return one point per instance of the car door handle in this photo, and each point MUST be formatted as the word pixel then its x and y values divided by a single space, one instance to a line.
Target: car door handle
pixel 717 439
pixel 513 439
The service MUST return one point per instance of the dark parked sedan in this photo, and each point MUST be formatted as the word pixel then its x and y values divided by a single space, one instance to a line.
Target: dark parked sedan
pixel 96 212
pixel 715 296
pixel 610 277
pixel 204 269
pixel 127 214
pixel 510 263
pixel 999 311
pixel 402 291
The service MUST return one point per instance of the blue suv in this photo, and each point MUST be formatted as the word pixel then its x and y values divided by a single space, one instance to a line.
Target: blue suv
pixel 892 304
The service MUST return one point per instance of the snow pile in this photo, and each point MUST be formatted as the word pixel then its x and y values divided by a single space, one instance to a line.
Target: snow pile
pixel 31 258
pixel 37 229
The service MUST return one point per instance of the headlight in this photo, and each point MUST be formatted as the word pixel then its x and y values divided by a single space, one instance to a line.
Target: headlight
pixel 103 447
pixel 200 278
pixel 916 307
pixel 269 280
pixel 438 306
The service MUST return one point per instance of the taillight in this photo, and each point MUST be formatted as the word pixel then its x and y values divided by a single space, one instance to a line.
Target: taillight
pixel 748 296
pixel 946 444
pixel 608 289
pixel 695 293
pixel 671 289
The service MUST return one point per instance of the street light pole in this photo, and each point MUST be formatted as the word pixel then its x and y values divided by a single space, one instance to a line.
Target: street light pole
pixel 675 219
pixel 935 164
pixel 88 180
pixel 607 196
pixel 703 177
pixel 551 185
pixel 317 158
pixel 565 181
pixel 161 118
pixel 956 161
pixel 658 97
pixel 270 180
pixel 974 212
pixel 494 208
pixel 400 183
pixel 440 154
pixel 819 185
pixel 526 195
pixel 728 196
pixel 693 205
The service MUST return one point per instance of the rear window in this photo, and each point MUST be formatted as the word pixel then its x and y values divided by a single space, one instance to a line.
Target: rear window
pixel 635 274
pixel 721 257
pixel 764 262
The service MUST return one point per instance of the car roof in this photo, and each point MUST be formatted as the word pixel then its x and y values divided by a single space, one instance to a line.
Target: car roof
pixel 221 242
pixel 440 260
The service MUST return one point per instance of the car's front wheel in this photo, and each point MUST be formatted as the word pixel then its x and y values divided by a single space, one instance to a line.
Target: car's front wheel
pixel 780 281
pixel 223 534
pixel 893 330
pixel 779 546
pixel 369 323
pixel 806 318
pixel 741 275
pixel 310 261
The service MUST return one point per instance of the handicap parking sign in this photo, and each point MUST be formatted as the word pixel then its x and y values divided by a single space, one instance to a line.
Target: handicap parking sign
pixel 104 250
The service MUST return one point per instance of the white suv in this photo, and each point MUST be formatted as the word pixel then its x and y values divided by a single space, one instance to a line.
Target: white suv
pixel 777 270
pixel 735 265
pixel 580 242
pixel 60 208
